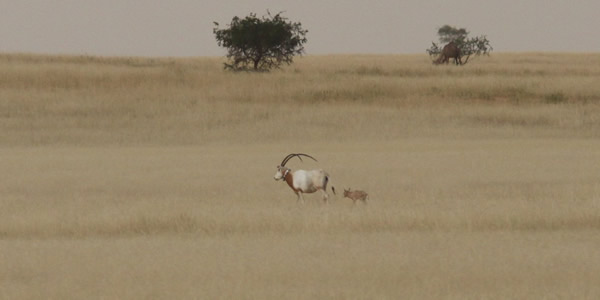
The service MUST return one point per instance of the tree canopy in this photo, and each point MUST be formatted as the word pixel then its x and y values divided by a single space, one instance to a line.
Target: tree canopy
pixel 260 44
pixel 449 34
pixel 479 45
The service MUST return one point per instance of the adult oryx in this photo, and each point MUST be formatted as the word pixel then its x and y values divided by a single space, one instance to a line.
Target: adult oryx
pixel 301 181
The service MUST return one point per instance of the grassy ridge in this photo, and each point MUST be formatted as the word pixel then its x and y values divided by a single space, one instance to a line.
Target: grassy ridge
pixel 529 77
pixel 90 100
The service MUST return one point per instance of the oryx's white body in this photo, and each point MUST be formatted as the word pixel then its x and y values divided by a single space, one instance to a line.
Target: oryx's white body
pixel 302 181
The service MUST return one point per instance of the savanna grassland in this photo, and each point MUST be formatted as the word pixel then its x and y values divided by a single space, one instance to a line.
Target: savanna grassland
pixel 153 178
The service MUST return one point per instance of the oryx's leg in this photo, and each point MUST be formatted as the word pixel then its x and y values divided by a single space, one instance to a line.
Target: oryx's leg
pixel 325 196
pixel 300 198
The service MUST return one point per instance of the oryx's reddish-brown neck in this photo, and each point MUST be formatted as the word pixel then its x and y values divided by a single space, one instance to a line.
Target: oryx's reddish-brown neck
pixel 289 178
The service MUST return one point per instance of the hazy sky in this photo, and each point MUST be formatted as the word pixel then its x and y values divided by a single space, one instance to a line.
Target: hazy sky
pixel 184 27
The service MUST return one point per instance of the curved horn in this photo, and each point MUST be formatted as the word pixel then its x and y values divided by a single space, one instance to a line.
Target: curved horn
pixel 287 158
pixel 298 154
pixel 284 161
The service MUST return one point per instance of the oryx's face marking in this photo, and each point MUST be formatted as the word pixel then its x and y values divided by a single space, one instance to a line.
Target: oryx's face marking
pixel 280 174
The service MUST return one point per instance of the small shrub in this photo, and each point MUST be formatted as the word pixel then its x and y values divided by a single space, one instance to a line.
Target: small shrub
pixel 555 98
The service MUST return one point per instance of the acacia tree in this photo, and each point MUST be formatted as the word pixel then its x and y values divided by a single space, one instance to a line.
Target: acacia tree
pixel 260 44
pixel 460 36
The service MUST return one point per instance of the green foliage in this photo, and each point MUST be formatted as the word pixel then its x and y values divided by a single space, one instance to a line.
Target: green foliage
pixel 449 34
pixel 434 50
pixel 260 44
pixel 460 36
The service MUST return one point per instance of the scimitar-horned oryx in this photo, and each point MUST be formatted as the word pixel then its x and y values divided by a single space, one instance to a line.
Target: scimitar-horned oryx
pixel 302 181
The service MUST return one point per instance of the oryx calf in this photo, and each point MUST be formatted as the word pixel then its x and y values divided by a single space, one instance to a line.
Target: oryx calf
pixel 301 181
pixel 356 195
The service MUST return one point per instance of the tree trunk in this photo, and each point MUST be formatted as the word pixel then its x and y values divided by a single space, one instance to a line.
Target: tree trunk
pixel 257 60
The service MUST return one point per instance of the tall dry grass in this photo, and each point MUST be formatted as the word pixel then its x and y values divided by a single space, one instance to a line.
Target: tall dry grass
pixel 152 178
pixel 453 219
pixel 128 101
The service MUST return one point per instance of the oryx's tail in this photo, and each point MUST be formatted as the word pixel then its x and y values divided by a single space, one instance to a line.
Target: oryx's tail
pixel 332 187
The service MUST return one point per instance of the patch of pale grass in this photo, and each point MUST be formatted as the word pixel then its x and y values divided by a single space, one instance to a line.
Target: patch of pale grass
pixel 447 218
pixel 418 186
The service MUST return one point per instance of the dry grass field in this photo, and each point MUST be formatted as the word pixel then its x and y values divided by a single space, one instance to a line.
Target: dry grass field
pixel 153 178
